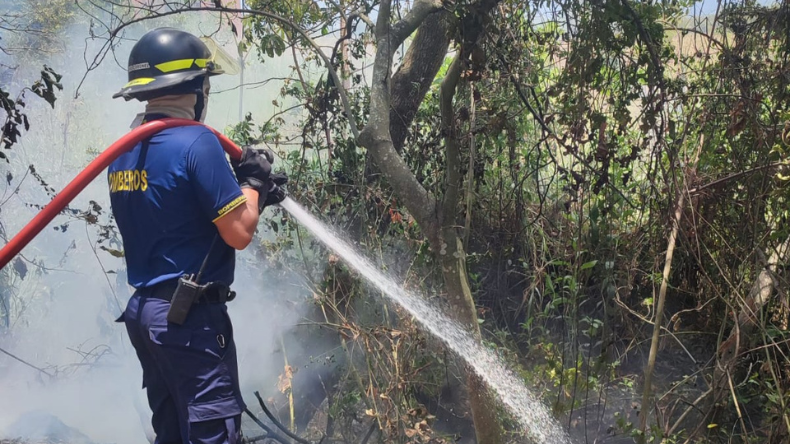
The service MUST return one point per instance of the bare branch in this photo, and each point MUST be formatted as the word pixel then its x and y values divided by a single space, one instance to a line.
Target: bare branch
pixel 734 176
pixel 453 152
pixel 26 363
pixel 282 20
pixel 364 18
pixel 695 31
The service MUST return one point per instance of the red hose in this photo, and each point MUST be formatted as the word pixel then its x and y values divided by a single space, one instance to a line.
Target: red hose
pixel 98 165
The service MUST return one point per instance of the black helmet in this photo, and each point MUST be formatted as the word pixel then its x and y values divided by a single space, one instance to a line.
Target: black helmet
pixel 167 61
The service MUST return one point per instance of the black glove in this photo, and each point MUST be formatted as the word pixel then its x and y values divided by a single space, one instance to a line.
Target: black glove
pixel 253 169
pixel 275 194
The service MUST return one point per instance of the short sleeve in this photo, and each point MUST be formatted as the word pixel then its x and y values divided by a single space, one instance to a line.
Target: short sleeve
pixel 211 177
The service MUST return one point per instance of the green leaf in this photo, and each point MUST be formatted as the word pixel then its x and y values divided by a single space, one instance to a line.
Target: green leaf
pixel 588 265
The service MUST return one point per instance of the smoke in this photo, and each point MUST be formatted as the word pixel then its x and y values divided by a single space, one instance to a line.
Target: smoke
pixel 65 293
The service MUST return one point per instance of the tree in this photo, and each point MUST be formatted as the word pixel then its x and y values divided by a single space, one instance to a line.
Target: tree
pixel 436 217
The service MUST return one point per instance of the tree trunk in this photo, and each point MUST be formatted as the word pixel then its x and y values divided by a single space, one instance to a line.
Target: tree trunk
pixel 414 77
pixel 662 297
pixel 453 259
pixel 662 293
pixel 376 135
pixel 482 401
pixel 437 221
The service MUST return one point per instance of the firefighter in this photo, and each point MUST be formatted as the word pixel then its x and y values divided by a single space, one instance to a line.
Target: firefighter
pixel 182 214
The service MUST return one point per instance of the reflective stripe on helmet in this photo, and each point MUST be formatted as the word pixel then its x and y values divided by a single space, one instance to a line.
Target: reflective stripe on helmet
pixel 177 65
pixel 140 81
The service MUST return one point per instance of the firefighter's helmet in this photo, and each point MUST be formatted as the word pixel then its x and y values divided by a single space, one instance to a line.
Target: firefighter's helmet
pixel 169 61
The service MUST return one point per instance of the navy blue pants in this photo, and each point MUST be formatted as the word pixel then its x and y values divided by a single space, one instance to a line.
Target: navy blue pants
pixel 190 371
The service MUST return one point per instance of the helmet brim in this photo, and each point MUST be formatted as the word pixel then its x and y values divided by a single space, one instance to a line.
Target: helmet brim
pixel 149 84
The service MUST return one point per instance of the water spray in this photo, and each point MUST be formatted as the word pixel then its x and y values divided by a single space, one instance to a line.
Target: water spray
pixel 531 414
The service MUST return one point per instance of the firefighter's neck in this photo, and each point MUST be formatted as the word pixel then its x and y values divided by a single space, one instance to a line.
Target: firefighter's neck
pixel 180 106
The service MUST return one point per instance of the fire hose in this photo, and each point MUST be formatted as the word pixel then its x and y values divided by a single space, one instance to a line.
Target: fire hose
pixel 268 432
pixel 122 145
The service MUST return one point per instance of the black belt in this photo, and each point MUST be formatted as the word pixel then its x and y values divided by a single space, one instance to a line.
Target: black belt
pixel 212 293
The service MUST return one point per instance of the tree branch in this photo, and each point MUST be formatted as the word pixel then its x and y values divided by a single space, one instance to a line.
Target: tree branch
pixel 406 26
pixel 26 363
pixel 452 150
pixel 738 175
pixel 713 39
pixel 413 79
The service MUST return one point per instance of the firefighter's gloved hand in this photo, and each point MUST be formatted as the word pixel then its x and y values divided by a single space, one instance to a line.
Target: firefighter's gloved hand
pixel 279 179
pixel 276 193
pixel 253 169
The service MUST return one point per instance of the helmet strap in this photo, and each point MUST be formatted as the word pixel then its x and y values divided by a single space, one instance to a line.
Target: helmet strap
pixel 200 103
pixel 202 99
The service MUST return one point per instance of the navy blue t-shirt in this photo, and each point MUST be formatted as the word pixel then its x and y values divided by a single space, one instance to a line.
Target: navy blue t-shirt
pixel 165 196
